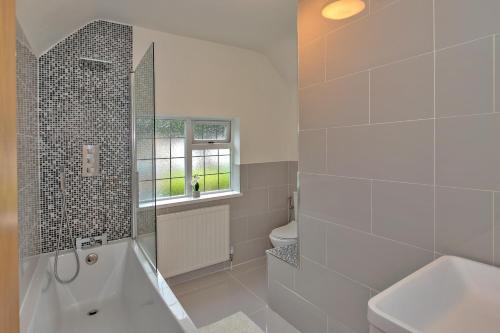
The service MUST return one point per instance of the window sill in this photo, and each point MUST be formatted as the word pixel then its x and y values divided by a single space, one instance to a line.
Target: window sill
pixel 184 201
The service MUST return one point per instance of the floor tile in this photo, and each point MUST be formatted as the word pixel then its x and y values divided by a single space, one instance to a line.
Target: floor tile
pixel 213 303
pixel 270 322
pixel 255 280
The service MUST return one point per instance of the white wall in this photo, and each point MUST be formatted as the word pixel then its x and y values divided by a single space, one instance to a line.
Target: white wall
pixel 205 79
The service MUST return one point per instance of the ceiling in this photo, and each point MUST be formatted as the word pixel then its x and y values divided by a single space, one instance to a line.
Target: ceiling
pixel 251 24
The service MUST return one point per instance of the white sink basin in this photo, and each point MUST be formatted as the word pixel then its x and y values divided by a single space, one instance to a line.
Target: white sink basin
pixel 448 295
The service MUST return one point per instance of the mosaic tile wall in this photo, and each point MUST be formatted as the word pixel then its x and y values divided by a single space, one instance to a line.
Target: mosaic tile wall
pixel 27 147
pixel 86 103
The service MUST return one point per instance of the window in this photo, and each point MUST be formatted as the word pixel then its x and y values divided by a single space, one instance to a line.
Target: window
pixel 185 148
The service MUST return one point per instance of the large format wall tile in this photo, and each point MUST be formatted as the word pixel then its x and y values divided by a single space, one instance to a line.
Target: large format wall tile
pixel 403 91
pixel 371 260
pixel 299 312
pixel 467 152
pixel 400 151
pixel 404 212
pixel 312 63
pixel 343 101
pixel 464 223
pixel 464 79
pixel 425 59
pixel 267 174
pixel 340 200
pixel 313 238
pixel 339 297
pixel 459 21
pixel 312 150
pixel 393 33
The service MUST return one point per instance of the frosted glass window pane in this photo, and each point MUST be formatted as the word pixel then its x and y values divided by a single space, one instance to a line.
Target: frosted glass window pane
pixel 162 169
pixel 145 191
pixel 144 149
pixel 210 132
pixel 224 181
pixel 177 168
pixel 177 186
pixel 224 164
pixel 198 131
pixel 177 147
pixel 198 152
pixel 162 188
pixel 144 127
pixel 224 151
pixel 211 152
pixel 211 183
pixel 177 129
pixel 211 165
pixel 162 148
pixel 222 132
pixel 162 129
pixel 198 166
pixel 145 169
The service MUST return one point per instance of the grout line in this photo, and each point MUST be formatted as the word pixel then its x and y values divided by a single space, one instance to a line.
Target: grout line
pixel 493 227
pixel 464 43
pixel 248 289
pixel 369 96
pixel 397 182
pixel 494 74
pixel 401 121
pixel 326 150
pixel 371 206
pixel 395 62
pixel 324 266
pixel 367 233
pixel 435 122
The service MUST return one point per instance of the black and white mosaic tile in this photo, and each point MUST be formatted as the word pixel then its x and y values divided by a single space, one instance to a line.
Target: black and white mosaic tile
pixel 82 103
pixel 27 147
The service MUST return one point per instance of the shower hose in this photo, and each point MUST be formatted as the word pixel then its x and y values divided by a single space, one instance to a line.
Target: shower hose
pixel 64 221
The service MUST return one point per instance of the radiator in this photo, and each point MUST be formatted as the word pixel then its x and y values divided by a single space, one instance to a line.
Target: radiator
pixel 192 239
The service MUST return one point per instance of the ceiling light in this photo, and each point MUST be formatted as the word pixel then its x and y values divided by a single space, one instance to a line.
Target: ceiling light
pixel 342 9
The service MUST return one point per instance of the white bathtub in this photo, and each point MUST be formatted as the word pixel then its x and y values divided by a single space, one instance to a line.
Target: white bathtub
pixel 122 286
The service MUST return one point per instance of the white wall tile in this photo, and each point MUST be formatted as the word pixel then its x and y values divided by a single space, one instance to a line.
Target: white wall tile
pixel 341 200
pixel 404 212
pixel 343 101
pixel 403 91
pixel 371 260
pixel 458 21
pixel 464 79
pixel 464 223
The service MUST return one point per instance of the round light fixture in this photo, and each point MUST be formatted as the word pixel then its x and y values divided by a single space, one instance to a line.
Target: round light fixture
pixel 342 9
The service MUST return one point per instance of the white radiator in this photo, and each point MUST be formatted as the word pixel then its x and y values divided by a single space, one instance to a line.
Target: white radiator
pixel 192 239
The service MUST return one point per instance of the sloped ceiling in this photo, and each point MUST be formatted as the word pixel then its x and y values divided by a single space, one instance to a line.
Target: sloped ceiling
pixel 251 24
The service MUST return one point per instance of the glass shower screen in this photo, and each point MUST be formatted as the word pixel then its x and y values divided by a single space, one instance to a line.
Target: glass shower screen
pixel 143 155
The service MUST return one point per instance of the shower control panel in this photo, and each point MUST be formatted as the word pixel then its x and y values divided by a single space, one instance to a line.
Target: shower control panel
pixel 90 160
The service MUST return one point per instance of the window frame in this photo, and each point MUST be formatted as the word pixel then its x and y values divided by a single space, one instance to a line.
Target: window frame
pixel 192 144
pixel 211 122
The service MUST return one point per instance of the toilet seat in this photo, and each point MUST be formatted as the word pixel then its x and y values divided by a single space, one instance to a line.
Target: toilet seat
pixel 288 231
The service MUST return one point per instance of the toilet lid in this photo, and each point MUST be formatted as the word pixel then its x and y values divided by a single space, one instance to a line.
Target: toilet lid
pixel 286 231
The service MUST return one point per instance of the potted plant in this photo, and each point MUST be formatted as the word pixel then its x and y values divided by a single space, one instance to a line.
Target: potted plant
pixel 196 186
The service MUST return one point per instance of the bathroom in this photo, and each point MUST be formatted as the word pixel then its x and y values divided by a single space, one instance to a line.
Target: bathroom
pixel 250 166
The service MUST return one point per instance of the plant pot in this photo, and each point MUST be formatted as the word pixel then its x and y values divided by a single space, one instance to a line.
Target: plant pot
pixel 196 194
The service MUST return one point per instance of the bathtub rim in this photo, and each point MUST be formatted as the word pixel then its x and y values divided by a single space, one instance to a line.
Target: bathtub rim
pixel 29 302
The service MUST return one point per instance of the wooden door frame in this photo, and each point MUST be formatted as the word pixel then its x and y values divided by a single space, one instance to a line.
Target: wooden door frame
pixel 9 265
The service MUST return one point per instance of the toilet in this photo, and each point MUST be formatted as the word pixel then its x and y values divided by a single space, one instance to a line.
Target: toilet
pixel 287 234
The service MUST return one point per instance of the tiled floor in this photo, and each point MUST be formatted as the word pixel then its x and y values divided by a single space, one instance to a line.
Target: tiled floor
pixel 218 295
